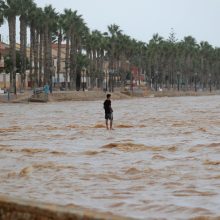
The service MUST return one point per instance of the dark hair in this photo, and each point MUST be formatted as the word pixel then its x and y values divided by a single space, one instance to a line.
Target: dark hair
pixel 108 96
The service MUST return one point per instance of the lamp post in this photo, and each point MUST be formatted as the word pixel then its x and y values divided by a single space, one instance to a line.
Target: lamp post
pixel 210 82
pixel 178 80
pixel 195 79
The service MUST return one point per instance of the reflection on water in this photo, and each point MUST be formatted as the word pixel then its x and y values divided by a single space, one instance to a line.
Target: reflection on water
pixel 162 160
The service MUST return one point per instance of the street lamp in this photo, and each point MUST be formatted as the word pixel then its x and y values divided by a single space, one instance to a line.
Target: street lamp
pixel 210 82
pixel 178 80
pixel 195 79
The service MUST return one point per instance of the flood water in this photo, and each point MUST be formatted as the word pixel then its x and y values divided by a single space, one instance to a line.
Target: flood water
pixel 161 161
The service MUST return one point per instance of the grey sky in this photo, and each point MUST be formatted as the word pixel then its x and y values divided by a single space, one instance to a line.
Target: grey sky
pixel 142 18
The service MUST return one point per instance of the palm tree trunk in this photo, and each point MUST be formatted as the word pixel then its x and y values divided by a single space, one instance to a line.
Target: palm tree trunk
pixel 46 56
pixel 32 38
pixel 36 46
pixel 41 58
pixel 67 60
pixel 72 61
pixel 59 56
pixel 90 65
pixel 94 69
pixel 49 64
pixel 12 39
pixel 23 46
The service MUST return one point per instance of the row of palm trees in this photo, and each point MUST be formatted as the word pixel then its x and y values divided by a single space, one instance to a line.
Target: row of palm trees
pixel 165 62
pixel 186 62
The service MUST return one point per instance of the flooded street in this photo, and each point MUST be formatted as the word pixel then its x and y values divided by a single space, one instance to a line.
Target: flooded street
pixel 161 161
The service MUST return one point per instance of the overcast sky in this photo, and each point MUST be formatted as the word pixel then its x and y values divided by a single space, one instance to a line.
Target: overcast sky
pixel 142 18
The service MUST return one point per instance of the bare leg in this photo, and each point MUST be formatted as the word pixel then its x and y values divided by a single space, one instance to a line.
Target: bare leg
pixel 111 122
pixel 106 122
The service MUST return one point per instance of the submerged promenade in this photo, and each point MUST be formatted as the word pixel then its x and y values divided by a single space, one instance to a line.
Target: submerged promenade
pixel 58 96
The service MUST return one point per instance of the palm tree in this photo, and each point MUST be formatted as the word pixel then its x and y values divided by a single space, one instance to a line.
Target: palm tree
pixel 95 44
pixel 11 9
pixel 113 50
pixel 154 57
pixel 115 32
pixel 81 59
pixel 76 32
pixel 171 50
pixel 68 14
pixel 206 60
pixel 102 51
pixel 33 19
pixel 126 55
pixel 50 27
pixel 40 31
pixel 190 46
pixel 73 48
pixel 24 11
pixel 139 54
pixel 60 37
pixel 215 76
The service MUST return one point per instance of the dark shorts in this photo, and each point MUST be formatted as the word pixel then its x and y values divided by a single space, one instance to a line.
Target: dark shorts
pixel 109 116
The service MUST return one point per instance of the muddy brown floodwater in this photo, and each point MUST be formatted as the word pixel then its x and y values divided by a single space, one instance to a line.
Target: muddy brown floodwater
pixel 161 161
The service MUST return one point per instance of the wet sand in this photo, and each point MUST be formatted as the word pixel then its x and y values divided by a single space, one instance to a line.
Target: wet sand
pixel 161 161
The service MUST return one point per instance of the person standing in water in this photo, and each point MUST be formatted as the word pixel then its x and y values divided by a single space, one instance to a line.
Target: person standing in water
pixel 108 112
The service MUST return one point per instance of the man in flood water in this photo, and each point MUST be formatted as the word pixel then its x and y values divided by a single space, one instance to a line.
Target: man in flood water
pixel 108 112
